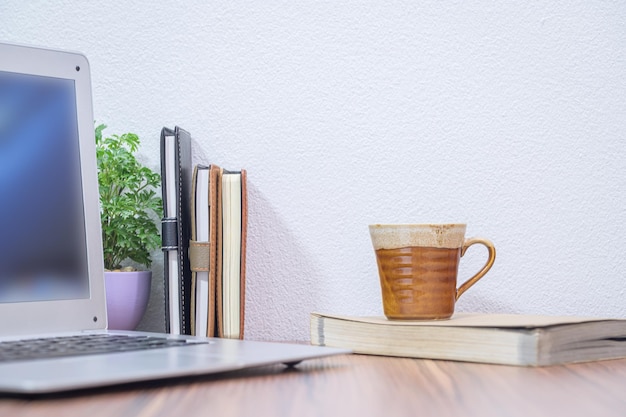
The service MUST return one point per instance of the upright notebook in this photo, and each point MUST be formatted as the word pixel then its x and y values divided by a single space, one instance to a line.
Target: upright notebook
pixel 176 176
pixel 203 249
pixel 232 227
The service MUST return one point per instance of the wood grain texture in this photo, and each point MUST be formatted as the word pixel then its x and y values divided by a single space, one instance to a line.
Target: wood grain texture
pixel 357 385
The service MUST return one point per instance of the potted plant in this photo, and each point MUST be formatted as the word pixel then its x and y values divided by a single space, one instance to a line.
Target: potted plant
pixel 130 208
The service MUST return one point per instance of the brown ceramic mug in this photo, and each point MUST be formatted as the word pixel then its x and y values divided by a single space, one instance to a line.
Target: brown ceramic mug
pixel 418 266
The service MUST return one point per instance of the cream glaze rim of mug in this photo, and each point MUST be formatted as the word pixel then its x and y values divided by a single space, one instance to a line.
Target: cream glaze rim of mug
pixel 433 235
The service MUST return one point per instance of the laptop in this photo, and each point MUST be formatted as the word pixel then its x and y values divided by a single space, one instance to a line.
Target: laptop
pixel 51 266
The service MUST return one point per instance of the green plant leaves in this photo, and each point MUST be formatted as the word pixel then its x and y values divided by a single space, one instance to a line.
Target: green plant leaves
pixel 130 206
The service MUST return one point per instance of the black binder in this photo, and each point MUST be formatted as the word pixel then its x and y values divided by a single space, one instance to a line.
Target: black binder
pixel 176 180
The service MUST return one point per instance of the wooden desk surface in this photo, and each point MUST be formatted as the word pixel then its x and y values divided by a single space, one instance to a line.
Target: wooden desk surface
pixel 356 385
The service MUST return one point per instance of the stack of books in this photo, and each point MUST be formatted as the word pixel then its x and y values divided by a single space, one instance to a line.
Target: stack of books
pixel 204 242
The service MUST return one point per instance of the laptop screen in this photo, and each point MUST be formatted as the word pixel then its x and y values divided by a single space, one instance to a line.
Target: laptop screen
pixel 42 245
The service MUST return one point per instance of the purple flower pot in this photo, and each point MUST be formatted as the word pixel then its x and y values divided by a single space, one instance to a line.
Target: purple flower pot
pixel 127 298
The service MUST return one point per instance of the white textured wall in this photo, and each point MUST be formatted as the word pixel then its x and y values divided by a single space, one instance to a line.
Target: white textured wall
pixel 510 116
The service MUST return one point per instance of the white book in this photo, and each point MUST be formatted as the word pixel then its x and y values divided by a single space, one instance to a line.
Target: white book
pixel 202 235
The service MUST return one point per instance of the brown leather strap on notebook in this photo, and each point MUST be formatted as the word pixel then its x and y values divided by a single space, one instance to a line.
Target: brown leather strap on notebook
pixel 199 256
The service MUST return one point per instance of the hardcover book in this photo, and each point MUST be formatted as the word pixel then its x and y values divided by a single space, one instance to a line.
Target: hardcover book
pixel 232 227
pixel 176 224
pixel 203 249
pixel 525 340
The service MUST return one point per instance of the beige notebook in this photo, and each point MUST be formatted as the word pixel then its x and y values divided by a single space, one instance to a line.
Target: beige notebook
pixel 232 227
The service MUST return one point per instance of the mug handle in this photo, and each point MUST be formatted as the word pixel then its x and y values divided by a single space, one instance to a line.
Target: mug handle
pixel 492 257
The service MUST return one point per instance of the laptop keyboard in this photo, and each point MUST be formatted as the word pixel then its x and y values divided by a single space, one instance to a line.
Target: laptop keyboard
pixel 82 345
